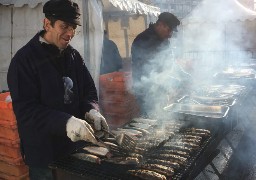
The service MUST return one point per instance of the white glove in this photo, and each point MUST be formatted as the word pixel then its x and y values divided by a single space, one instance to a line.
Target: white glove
pixel 78 129
pixel 97 119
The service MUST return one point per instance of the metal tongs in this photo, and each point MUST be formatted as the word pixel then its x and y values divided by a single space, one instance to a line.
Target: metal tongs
pixel 124 141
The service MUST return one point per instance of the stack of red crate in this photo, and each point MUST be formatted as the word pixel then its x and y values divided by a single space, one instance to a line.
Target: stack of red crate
pixel 117 103
pixel 12 166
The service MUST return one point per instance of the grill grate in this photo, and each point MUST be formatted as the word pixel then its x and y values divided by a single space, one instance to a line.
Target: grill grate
pixel 192 162
pixel 112 171
pixel 86 169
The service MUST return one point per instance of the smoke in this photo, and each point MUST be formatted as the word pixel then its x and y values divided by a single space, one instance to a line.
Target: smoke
pixel 215 34
pixel 211 38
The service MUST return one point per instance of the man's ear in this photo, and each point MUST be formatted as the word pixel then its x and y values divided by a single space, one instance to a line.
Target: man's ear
pixel 47 24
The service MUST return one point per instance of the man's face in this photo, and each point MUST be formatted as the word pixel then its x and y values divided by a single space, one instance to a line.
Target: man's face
pixel 60 34
pixel 164 31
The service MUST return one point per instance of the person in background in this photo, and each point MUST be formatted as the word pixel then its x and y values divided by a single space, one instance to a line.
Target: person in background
pixel 53 92
pixel 149 51
pixel 111 59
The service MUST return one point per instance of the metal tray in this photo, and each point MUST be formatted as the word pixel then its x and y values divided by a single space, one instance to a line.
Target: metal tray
pixel 228 100
pixel 215 112
pixel 222 92
pixel 236 73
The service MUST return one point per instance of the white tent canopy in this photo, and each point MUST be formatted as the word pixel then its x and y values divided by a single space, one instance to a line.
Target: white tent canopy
pixel 133 6
pixel 219 11
pixel 21 3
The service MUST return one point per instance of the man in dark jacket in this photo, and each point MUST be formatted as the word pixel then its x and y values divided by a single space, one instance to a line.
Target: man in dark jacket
pixel 111 59
pixel 52 92
pixel 149 51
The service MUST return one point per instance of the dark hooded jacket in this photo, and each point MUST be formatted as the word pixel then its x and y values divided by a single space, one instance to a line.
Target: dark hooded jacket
pixel 35 80
pixel 145 47
pixel 111 59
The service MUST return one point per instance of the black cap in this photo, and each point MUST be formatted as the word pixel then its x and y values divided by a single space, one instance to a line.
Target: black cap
pixel 64 10
pixel 170 20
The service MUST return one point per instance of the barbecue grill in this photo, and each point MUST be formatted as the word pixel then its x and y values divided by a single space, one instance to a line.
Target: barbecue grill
pixel 72 168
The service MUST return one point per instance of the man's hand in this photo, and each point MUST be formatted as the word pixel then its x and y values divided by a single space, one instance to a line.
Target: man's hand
pixel 98 120
pixel 78 129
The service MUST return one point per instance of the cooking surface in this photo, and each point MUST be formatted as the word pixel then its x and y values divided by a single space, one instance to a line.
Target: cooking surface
pixel 203 157
pixel 181 150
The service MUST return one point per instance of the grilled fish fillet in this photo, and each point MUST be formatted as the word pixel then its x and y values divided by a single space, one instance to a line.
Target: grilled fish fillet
pixel 167 163
pixel 146 174
pixel 88 157
pixel 99 151
pixel 167 171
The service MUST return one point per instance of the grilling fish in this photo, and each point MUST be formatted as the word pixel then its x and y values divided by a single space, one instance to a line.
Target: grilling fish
pixel 138 156
pixel 195 141
pixel 123 160
pixel 179 148
pixel 167 171
pixel 129 133
pixel 188 136
pixel 195 130
pixel 171 151
pixel 202 134
pixel 87 157
pixel 143 131
pixel 145 121
pixel 99 151
pixel 168 163
pixel 173 157
pixel 185 144
pixel 139 150
pixel 140 125
pixel 146 174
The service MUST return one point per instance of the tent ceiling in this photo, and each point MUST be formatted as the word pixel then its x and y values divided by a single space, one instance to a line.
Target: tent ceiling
pixel 219 11
pixel 20 3
pixel 133 6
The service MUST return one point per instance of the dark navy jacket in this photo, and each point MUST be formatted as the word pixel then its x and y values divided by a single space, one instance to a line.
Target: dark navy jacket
pixel 37 90
pixel 145 47
pixel 111 59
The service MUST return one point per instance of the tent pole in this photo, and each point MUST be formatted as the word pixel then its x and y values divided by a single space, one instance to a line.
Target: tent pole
pixel 86 33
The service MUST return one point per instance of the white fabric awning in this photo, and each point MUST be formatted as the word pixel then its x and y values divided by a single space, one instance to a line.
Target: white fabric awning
pixel 21 3
pixel 133 6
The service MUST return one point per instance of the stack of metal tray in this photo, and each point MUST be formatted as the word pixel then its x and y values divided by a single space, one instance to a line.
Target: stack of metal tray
pixel 199 110
pixel 236 73
pixel 208 100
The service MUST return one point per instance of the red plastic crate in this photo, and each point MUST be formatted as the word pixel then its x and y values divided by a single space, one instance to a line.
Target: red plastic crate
pixel 117 81
pixel 3 96
pixel 12 161
pixel 115 96
pixel 9 133
pixel 8 124
pixel 13 170
pixel 6 112
pixel 13 152
pixel 116 76
pixel 11 143
pixel 8 177
pixel 116 107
